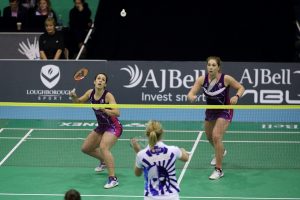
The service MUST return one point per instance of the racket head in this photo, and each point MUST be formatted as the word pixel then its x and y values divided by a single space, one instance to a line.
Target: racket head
pixel 81 74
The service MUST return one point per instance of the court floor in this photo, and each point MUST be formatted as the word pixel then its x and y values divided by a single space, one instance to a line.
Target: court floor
pixel 41 159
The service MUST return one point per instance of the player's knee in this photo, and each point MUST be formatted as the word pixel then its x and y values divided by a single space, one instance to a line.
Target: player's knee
pixel 216 139
pixel 208 135
pixel 85 150
pixel 103 148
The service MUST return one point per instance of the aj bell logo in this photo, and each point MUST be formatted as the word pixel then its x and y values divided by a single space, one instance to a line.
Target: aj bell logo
pixel 135 76
pixel 162 79
pixel 50 75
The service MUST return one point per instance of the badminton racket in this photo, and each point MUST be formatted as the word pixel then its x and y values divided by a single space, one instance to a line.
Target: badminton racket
pixel 79 75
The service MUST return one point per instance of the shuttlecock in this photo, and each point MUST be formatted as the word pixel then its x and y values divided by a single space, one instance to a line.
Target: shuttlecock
pixel 123 13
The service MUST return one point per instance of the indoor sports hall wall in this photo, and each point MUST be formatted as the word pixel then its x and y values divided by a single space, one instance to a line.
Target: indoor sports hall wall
pixel 147 82
pixel 61 7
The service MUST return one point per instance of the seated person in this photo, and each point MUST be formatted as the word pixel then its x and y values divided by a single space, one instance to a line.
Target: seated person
pixel 14 13
pixel 39 14
pixel 28 3
pixel 79 24
pixel 51 43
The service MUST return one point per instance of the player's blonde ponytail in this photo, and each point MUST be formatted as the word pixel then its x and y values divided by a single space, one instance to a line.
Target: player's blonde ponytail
pixel 154 132
pixel 152 139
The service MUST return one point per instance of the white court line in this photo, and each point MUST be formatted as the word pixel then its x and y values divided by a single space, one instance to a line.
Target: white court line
pixel 134 196
pixel 190 157
pixel 86 129
pixel 78 138
pixel 242 198
pixel 1 130
pixel 141 130
pixel 250 141
pixel 258 132
pixel 15 147
pixel 225 141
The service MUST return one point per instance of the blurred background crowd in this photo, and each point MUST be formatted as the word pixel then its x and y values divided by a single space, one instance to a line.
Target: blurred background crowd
pixel 257 30
pixel 71 19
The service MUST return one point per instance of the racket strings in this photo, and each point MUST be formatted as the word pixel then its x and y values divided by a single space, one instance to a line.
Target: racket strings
pixel 81 74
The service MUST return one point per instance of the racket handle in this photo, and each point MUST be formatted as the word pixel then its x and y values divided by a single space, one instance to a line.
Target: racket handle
pixel 135 145
pixel 73 92
pixel 73 95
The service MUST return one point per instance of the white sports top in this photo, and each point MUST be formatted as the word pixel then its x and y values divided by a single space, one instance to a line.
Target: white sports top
pixel 159 171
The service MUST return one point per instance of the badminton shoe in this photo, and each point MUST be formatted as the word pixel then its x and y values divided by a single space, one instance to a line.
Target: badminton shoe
pixel 216 174
pixel 213 161
pixel 101 167
pixel 111 182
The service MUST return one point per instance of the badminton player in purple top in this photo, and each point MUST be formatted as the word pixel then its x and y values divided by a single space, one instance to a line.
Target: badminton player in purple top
pixel 215 87
pixel 99 142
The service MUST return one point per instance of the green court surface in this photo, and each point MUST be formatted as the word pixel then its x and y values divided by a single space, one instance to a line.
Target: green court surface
pixel 41 159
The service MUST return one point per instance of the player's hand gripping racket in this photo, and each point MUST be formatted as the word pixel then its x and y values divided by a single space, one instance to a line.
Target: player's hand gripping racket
pixel 79 75
pixel 138 143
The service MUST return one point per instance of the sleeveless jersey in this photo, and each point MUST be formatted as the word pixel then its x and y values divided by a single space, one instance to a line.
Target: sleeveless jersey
pixel 218 94
pixel 105 122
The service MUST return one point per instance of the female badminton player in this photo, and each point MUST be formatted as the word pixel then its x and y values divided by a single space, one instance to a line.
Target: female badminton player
pixel 99 142
pixel 157 161
pixel 216 89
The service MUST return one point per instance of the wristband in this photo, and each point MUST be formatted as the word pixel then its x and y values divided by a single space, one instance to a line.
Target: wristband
pixel 237 96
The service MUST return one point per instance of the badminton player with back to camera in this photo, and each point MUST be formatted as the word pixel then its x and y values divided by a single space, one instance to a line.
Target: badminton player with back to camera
pixel 157 161
pixel 215 87
pixel 99 142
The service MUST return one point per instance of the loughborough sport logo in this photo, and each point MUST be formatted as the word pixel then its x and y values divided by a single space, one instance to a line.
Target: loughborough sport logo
pixel 135 74
pixel 50 75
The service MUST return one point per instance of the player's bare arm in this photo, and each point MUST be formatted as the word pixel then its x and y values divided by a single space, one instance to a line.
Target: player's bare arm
pixel 192 95
pixel 138 171
pixel 84 98
pixel 230 81
pixel 185 156
pixel 110 99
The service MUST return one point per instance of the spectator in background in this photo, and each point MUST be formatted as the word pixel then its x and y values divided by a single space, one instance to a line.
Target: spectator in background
pixel 29 4
pixel 39 14
pixel 51 43
pixel 72 195
pixel 79 24
pixel 13 14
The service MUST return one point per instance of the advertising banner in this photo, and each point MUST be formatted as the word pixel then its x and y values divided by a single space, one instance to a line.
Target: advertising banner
pixel 19 45
pixel 145 82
